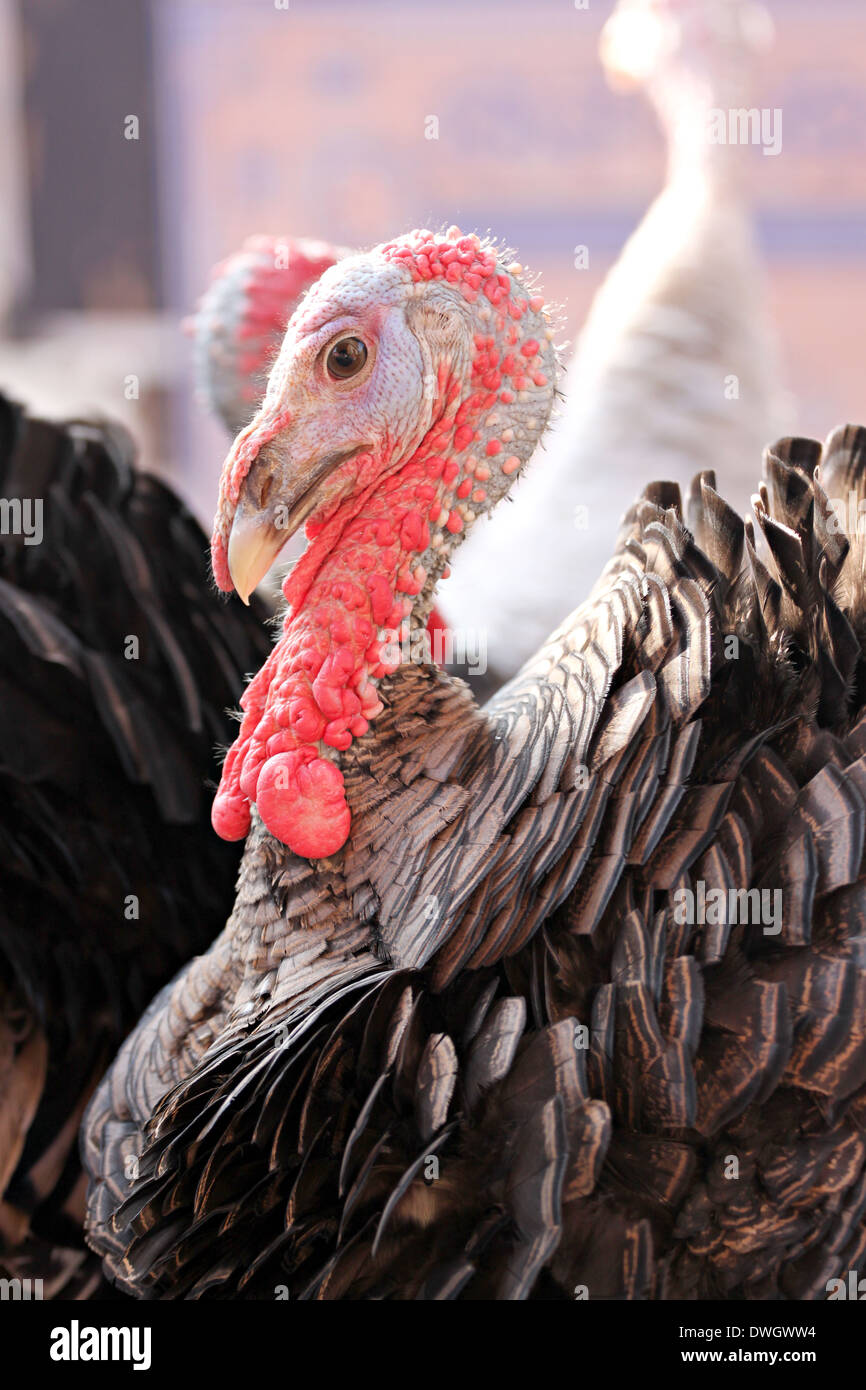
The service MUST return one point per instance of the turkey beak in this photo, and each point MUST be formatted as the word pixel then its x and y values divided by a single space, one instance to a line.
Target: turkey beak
pixel 275 499
pixel 255 539
pixel 252 551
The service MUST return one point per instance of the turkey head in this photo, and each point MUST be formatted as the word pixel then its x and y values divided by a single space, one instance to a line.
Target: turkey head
pixel 412 385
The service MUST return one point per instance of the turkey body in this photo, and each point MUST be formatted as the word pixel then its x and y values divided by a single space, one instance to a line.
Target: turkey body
pixel 117 665
pixel 495 1048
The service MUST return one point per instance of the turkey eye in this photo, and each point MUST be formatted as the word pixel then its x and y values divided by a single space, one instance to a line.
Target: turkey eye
pixel 346 358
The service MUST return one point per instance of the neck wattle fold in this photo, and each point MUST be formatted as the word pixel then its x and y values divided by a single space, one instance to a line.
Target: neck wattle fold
pixel 350 599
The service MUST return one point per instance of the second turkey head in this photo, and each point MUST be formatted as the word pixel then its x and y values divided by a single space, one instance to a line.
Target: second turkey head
pixel 241 319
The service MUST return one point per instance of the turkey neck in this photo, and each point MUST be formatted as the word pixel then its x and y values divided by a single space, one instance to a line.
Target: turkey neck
pixel 698 94
pixel 294 935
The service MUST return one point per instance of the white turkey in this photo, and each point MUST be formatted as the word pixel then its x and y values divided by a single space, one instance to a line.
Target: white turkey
pixel 675 368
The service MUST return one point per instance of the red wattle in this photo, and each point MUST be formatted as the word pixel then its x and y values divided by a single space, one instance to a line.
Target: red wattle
pixel 230 815
pixel 220 563
pixel 300 798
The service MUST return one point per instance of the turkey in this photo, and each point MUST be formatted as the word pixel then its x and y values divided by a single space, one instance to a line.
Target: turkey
pixel 675 368
pixel 241 319
pixel 557 996
pixel 117 663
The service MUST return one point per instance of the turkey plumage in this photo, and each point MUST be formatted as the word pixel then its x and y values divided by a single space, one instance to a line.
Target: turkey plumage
pixel 117 665
pixel 562 993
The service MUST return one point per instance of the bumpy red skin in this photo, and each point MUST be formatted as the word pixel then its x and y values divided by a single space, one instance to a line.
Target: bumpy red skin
pixel 361 572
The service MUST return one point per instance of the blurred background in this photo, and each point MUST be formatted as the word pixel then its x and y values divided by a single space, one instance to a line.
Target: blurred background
pixel 313 118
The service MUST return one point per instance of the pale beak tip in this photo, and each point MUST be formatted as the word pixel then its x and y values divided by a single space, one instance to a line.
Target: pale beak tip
pixel 253 547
